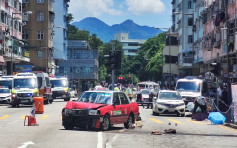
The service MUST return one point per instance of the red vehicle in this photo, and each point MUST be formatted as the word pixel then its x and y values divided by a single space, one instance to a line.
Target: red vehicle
pixel 100 109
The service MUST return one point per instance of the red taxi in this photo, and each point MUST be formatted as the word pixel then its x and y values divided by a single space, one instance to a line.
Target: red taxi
pixel 100 109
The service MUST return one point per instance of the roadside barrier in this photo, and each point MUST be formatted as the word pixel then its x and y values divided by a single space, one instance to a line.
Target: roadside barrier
pixel 31 121
pixel 39 105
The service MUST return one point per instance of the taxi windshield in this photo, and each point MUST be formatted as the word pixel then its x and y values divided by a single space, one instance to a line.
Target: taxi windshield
pixel 95 97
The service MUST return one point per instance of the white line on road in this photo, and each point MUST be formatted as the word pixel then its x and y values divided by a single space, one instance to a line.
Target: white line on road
pixel 12 122
pixel 100 140
pixel 109 144
pixel 26 144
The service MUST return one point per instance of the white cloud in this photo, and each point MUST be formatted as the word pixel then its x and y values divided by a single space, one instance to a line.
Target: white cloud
pixel 92 8
pixel 140 7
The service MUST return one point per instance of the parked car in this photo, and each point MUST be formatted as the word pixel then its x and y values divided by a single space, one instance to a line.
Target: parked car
pixel 143 96
pixel 100 109
pixel 5 95
pixel 169 102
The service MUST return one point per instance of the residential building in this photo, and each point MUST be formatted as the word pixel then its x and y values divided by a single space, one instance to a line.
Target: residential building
pixel 182 18
pixel 60 30
pixel 130 46
pixel 81 66
pixel 12 50
pixel 170 65
pixel 39 32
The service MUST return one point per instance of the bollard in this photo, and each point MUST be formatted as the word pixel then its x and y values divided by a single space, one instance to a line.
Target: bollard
pixel 39 105
pixel 31 121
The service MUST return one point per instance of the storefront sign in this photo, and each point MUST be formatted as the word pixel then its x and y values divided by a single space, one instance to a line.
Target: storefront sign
pixel 23 68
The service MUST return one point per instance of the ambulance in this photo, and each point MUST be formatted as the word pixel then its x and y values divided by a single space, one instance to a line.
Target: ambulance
pixel 60 88
pixel 24 89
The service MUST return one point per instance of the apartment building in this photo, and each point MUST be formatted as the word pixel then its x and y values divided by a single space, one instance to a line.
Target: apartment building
pixel 13 50
pixel 39 31
pixel 130 46
pixel 182 17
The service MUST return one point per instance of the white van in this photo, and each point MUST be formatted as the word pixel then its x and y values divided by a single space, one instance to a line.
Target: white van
pixel 5 92
pixel 60 88
pixel 44 86
pixel 190 88
pixel 24 89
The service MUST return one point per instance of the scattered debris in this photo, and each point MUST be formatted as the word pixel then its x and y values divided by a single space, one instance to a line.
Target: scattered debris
pixel 139 124
pixel 156 133
pixel 170 131
pixel 120 131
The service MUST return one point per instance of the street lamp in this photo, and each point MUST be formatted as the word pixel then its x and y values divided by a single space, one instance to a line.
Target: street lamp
pixel 13 13
pixel 47 46
pixel 192 14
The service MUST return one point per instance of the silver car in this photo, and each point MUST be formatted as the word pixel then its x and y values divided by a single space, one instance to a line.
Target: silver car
pixel 168 102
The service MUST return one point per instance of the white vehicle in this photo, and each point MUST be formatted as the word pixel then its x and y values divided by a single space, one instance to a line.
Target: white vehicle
pixel 60 88
pixel 154 87
pixel 44 86
pixel 5 95
pixel 6 81
pixel 24 89
pixel 168 102
pixel 190 88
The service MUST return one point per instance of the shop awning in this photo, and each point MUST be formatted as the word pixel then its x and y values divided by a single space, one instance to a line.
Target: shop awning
pixel 2 61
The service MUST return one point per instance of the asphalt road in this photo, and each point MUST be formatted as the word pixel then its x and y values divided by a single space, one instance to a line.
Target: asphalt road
pixel 51 134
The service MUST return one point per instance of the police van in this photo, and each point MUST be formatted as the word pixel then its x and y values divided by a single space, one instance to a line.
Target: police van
pixel 24 89
pixel 191 87
pixel 60 88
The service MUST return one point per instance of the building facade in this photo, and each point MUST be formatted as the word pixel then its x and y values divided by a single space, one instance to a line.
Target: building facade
pixel 81 66
pixel 60 29
pixel 13 49
pixel 130 46
pixel 38 31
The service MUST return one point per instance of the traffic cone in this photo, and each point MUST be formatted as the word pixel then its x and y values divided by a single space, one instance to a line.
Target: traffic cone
pixel 31 121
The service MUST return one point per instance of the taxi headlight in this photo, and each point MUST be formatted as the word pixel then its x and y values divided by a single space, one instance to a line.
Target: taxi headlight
pixel 93 112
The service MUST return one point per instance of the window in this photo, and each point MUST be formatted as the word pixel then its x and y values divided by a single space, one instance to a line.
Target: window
pixel 40 16
pixel 116 100
pixel 189 5
pixel 190 39
pixel 190 21
pixel 25 1
pixel 40 1
pixel 40 35
pixel 123 99
pixel 25 34
pixel 39 54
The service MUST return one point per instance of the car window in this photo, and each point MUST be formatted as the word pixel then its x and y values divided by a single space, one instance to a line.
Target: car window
pixel 123 98
pixel 116 100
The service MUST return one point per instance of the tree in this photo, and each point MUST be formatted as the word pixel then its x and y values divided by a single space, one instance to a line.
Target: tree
pixel 95 42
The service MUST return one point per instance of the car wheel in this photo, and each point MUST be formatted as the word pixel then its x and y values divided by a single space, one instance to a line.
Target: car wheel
pixel 182 115
pixel 105 124
pixel 67 99
pixel 13 105
pixel 154 113
pixel 46 101
pixel 129 123
pixel 68 123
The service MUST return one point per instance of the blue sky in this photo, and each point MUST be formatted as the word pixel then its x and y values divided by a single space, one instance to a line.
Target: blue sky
pixel 153 13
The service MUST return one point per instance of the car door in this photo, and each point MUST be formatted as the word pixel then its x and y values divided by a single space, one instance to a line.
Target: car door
pixel 125 107
pixel 116 110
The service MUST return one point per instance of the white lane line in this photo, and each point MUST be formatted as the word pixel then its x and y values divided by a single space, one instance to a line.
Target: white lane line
pixel 109 144
pixel 26 144
pixel 100 140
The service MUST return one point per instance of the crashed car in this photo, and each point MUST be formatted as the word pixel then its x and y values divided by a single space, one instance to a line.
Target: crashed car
pixel 100 110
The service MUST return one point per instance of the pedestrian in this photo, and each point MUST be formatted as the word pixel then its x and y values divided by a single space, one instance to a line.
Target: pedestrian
pixel 116 87
pixel 201 103
pixel 150 103
pixel 129 92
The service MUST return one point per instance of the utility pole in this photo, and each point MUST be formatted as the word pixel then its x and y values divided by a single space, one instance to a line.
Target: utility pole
pixel 113 48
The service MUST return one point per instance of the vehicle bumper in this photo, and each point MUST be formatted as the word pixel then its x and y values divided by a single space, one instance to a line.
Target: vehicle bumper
pixel 27 101
pixel 60 95
pixel 161 109
pixel 5 100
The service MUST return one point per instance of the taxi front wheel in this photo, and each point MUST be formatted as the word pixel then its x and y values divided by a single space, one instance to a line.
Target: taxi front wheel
pixel 106 123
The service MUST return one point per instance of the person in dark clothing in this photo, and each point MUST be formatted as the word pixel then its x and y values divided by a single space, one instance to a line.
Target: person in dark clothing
pixel 150 103
pixel 200 102
pixel 223 102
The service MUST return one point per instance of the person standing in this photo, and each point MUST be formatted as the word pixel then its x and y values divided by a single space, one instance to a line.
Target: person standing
pixel 150 103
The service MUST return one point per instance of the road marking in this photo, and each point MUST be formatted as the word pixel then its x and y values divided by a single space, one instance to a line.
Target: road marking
pixel 109 144
pixel 100 140
pixel 197 122
pixel 44 117
pixel 12 122
pixel 228 128
pixel 157 121
pixel 22 117
pixel 175 121
pixel 26 144
pixel 4 117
